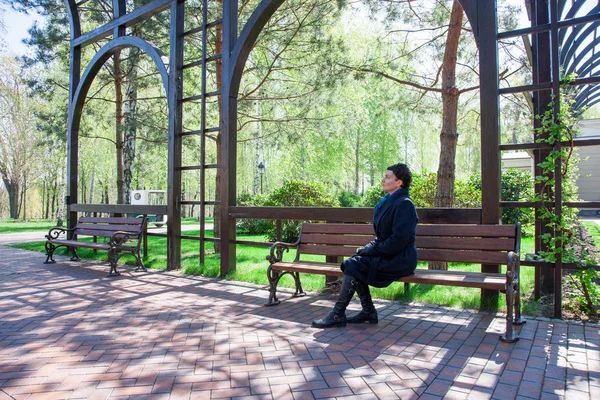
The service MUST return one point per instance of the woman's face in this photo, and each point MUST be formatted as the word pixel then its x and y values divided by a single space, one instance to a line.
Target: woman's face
pixel 390 183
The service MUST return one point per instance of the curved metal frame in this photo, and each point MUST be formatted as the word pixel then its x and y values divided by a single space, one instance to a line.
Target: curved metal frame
pixel 263 13
pixel 100 59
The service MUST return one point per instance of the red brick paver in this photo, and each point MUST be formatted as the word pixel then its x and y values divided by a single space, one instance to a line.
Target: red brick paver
pixel 69 332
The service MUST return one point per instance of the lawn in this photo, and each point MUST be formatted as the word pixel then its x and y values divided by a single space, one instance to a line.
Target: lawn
pixel 594 231
pixel 251 267
pixel 17 226
pixel 43 225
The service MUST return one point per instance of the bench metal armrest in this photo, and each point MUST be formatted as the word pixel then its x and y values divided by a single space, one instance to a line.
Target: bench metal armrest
pixel 55 232
pixel 120 237
pixel 277 249
pixel 512 267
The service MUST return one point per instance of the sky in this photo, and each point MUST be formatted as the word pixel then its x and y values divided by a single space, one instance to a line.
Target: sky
pixel 17 25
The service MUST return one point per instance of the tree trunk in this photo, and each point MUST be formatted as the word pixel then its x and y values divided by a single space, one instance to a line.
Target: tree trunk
pixel 257 150
pixel 24 199
pixel 356 164
pixel 444 196
pixel 131 89
pixel 118 77
pixel 45 198
pixel 52 213
pixel 92 187
pixel 61 202
pixel 13 197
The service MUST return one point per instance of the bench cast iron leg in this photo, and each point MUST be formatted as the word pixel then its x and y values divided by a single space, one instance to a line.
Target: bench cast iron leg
pixel 517 304
pixel 509 335
pixel 299 290
pixel 273 277
pixel 140 263
pixel 75 257
pixel 112 259
pixel 49 253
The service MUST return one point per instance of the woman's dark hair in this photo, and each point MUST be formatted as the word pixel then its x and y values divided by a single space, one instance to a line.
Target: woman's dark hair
pixel 403 173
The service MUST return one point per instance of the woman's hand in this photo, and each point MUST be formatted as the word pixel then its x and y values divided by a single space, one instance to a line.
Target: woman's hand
pixel 359 250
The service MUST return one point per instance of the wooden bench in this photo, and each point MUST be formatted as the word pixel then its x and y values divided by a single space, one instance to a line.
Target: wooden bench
pixel 479 244
pixel 121 235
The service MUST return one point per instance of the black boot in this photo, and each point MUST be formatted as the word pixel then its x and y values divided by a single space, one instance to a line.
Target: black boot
pixel 337 317
pixel 368 312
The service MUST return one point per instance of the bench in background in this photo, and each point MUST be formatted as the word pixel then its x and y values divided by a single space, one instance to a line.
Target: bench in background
pixel 121 235
pixel 478 244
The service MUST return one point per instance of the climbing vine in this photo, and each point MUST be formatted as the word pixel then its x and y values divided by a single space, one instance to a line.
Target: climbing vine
pixel 558 128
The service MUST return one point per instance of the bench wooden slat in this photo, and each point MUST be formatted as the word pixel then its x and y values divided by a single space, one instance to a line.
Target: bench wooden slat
pixel 475 257
pixel 422 230
pixel 110 228
pixel 457 278
pixel 364 229
pixel 462 243
pixel 99 232
pixel 457 243
pixel 424 276
pixel 340 251
pixel 113 220
pixel 90 245
pixel 309 267
pixel 357 240
pixel 467 230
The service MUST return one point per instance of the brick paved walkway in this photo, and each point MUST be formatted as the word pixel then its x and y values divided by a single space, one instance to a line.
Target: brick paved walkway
pixel 67 331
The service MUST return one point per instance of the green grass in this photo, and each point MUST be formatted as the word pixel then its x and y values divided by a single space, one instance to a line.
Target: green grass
pixel 252 266
pixel 43 225
pixel 594 231
pixel 16 226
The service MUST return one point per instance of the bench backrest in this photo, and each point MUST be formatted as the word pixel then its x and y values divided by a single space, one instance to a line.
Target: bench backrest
pixel 106 227
pixel 482 244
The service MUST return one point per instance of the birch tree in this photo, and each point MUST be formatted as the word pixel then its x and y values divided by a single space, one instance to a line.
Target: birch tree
pixel 18 134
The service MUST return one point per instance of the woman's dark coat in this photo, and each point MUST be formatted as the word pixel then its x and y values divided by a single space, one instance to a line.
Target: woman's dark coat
pixel 392 254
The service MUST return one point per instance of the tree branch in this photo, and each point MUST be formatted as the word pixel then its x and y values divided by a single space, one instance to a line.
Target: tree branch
pixel 393 79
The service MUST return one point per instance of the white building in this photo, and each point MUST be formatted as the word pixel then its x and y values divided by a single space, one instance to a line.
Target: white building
pixel 589 165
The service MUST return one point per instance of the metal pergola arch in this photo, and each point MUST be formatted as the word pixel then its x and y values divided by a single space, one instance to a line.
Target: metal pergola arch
pixel 482 15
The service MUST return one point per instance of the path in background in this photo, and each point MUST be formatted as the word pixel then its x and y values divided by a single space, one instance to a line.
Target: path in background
pixel 8 238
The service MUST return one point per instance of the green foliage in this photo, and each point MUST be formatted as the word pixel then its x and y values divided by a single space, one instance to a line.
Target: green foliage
pixel 588 297
pixel 252 226
pixel 466 195
pixel 372 196
pixel 348 199
pixel 422 189
pixel 556 128
pixel 297 193
pixel 517 185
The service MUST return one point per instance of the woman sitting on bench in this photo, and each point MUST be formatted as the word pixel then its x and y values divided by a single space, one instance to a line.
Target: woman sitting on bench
pixel 389 257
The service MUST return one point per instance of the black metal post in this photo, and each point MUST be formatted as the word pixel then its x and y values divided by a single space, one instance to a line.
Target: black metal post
pixel 490 125
pixel 228 138
pixel 175 90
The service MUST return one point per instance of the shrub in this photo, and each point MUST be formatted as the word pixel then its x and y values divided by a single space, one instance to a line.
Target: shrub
pixel 515 185
pixel 348 199
pixel 372 196
pixel 422 189
pixel 252 226
pixel 297 193
pixel 466 195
